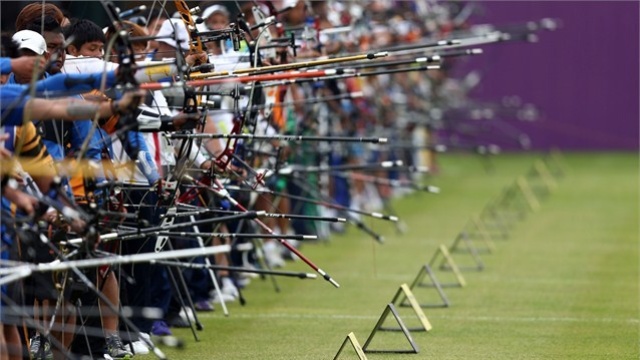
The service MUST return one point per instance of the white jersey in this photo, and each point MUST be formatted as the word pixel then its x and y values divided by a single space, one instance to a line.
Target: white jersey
pixel 86 65
pixel 165 149
pixel 89 65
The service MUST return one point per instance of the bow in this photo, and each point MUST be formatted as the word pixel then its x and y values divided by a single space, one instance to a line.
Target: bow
pixel 195 45
pixel 126 77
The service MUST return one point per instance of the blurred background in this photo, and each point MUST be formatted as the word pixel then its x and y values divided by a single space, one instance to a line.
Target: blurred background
pixel 583 78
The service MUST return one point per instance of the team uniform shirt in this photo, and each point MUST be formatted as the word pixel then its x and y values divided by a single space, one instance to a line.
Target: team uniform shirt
pixel 13 97
pixel 87 65
pixel 25 142
pixel 221 111
pixel 5 65
pixel 64 138
pixel 161 149
pixel 79 65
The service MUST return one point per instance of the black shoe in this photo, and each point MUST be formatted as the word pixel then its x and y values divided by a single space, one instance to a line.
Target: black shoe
pixel 176 321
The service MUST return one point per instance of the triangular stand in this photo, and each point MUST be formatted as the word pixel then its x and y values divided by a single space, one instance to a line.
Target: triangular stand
pixel 425 270
pixel 478 230
pixel 390 308
pixel 355 344
pixel 527 192
pixel 447 263
pixel 510 206
pixel 545 175
pixel 463 244
pixel 540 180
pixel 555 163
pixel 405 294
pixel 493 222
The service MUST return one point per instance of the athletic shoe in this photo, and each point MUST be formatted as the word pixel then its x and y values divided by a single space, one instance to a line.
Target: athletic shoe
pixel 243 282
pixel 226 297
pixel 229 288
pixel 272 255
pixel 48 353
pixel 288 254
pixel 115 348
pixel 203 305
pixel 186 313
pixel 249 275
pixel 140 347
pixel 40 348
pixel 34 346
pixel 176 321
pixel 160 328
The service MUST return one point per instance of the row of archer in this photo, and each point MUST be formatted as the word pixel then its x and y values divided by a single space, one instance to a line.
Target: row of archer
pixel 170 174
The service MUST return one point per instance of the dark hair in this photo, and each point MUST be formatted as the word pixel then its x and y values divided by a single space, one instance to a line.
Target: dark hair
pixel 83 31
pixel 50 24
pixel 33 12
pixel 9 48
pixel 134 30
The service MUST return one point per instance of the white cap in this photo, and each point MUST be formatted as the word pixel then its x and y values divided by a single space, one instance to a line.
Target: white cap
pixel 27 39
pixel 289 3
pixel 214 9
pixel 167 29
pixel 207 13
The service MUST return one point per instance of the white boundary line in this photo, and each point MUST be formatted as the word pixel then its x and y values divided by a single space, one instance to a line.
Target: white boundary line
pixel 469 318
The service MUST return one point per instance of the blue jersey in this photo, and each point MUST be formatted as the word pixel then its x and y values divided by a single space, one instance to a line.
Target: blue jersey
pixel 79 131
pixel 13 97
pixel 5 65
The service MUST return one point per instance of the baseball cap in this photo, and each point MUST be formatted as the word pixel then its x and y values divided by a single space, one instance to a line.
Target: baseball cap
pixel 181 33
pixel 289 3
pixel 214 9
pixel 27 39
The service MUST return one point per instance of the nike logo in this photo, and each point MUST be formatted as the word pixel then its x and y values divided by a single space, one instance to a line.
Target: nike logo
pixel 24 39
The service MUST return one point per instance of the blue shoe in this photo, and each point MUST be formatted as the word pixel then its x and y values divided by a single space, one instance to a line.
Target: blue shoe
pixel 160 328
pixel 203 305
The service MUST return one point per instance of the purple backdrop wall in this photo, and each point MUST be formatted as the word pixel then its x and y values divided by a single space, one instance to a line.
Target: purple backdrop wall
pixel 584 76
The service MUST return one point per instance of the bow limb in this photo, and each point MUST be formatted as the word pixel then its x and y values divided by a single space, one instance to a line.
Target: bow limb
pixel 195 45
pixel 191 100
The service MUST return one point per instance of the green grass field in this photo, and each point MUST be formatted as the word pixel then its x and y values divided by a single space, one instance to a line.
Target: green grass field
pixel 563 286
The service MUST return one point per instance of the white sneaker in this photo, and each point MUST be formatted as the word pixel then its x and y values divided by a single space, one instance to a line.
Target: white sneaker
pixel 186 314
pixel 295 243
pixel 288 254
pixel 272 255
pixel 249 275
pixel 373 201
pixel 139 347
pixel 229 291
pixel 229 288
pixel 244 281
pixel 226 297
